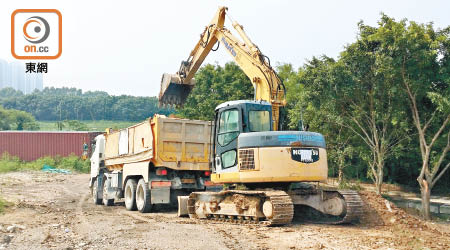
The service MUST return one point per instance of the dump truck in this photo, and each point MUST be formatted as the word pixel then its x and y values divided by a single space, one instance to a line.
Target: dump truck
pixel 268 172
pixel 151 162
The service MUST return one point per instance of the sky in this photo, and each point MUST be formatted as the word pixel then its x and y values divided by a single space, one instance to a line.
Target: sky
pixel 124 47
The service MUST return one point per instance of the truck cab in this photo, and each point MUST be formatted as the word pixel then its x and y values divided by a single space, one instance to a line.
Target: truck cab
pixel 97 157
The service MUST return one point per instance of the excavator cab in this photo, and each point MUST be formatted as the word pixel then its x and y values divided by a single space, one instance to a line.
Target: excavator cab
pixel 232 119
pixel 248 150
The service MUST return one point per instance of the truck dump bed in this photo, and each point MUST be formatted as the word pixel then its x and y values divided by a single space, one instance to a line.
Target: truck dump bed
pixel 132 144
pixel 179 144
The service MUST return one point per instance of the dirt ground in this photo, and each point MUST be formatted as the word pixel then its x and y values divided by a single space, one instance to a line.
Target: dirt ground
pixel 55 211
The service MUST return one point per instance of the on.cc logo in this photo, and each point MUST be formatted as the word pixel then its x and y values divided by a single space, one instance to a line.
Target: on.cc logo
pixel 36 29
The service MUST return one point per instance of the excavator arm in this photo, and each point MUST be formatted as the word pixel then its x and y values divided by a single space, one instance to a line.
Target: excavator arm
pixel 266 83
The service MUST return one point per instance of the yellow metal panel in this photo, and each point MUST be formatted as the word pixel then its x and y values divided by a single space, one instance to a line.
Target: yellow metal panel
pixel 131 149
pixel 181 144
pixel 137 168
pixel 112 145
pixel 194 152
pixel 142 137
pixel 276 165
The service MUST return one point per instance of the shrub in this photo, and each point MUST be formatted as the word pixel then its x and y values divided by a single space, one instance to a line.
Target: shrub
pixel 10 163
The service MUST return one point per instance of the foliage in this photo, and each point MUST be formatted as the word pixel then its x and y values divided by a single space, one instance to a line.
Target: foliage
pixel 3 205
pixel 75 125
pixel 59 104
pixel 214 85
pixel 100 125
pixel 345 184
pixel 417 57
pixel 10 163
pixel 11 119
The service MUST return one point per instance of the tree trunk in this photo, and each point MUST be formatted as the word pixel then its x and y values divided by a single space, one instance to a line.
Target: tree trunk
pixel 425 192
pixel 340 175
pixel 379 178
pixel 378 185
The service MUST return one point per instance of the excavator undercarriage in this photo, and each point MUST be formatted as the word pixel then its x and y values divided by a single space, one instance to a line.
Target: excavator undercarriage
pixel 273 207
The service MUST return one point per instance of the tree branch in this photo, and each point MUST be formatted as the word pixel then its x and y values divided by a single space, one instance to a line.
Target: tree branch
pixel 440 174
pixel 444 124
pixel 441 159
pixel 429 121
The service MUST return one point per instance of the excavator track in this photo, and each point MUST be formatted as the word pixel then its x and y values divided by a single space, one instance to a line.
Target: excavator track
pixel 354 205
pixel 282 208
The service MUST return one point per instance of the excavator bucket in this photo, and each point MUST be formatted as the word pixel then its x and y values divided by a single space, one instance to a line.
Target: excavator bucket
pixel 174 91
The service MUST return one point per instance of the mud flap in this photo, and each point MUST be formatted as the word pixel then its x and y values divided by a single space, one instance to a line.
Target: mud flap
pixel 183 206
pixel 160 195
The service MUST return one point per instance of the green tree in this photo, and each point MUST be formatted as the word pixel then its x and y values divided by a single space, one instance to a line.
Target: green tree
pixel 215 85
pixel 11 119
pixel 59 104
pixel 76 125
pixel 418 58
pixel 354 93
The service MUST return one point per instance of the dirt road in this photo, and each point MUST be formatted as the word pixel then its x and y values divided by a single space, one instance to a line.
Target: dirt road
pixel 55 211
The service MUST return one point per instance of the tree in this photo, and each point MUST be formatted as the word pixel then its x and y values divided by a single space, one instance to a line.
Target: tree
pixel 17 120
pixel 59 104
pixel 419 58
pixel 76 125
pixel 305 107
pixel 215 85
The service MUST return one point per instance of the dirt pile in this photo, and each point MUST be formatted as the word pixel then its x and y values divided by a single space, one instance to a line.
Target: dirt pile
pixel 379 212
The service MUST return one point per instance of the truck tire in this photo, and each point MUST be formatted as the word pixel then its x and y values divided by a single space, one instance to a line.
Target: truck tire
pixel 105 200
pixel 130 194
pixel 143 202
pixel 94 192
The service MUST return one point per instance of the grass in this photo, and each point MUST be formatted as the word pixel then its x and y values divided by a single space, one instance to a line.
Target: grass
pixel 3 204
pixel 92 125
pixel 10 163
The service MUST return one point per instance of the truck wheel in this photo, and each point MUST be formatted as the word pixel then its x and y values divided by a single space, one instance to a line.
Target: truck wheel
pixel 130 195
pixel 94 192
pixel 143 202
pixel 105 200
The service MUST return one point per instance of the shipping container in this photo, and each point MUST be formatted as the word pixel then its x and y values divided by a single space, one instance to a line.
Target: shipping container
pixel 31 145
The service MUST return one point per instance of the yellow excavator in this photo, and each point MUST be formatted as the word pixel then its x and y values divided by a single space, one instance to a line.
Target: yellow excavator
pixel 268 172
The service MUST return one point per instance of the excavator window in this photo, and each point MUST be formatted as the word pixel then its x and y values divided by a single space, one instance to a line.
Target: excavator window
pixel 228 126
pixel 229 159
pixel 259 120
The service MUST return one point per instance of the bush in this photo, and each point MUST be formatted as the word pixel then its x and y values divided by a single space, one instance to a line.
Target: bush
pixel 10 163
pixel 345 184
pixel 74 163
pixel 3 204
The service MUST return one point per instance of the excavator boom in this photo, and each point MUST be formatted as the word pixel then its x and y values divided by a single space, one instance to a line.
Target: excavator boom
pixel 267 85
